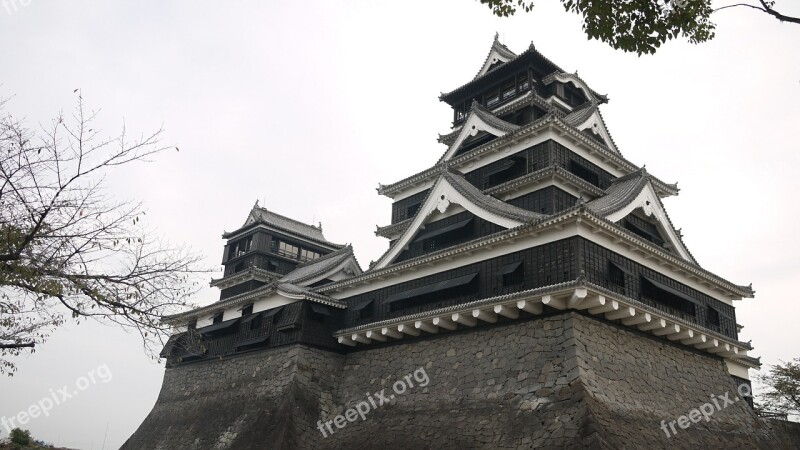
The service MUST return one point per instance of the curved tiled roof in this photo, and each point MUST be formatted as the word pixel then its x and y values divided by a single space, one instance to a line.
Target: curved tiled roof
pixel 389 230
pixel 600 98
pixel 487 202
pixel 621 192
pixel 578 211
pixel 547 120
pixel 526 99
pixel 319 266
pixel 474 195
pixel 307 294
pixel 262 215
pixel 580 114
pixel 530 51
pixel 488 117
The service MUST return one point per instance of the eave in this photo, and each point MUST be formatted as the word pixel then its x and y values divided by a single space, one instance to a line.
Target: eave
pixel 531 55
pixel 249 297
pixel 579 215
pixel 301 237
pixel 577 295
pixel 251 273
pixel 506 190
pixel 549 122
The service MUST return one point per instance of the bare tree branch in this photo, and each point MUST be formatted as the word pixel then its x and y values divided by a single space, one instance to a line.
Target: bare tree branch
pixel 67 250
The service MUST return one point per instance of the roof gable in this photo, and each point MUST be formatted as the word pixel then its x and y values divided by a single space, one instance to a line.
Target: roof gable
pixel 589 118
pixel 563 77
pixel 635 191
pixel 260 215
pixel 336 266
pixel 479 119
pixel 451 188
pixel 498 53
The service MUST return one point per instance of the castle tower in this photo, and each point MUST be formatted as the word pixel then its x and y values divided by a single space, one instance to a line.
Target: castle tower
pixel 532 275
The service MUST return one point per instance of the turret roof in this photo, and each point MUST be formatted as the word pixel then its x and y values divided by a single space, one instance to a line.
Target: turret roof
pixel 260 215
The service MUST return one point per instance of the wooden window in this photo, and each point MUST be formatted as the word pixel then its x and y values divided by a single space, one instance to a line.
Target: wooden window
pixel 509 90
pixel 583 172
pixel 287 250
pixel 712 317
pixel 512 274
pixel 247 310
pixel 505 170
pixel 522 82
pixel 616 275
pixel 240 247
pixel 217 318
pixel 446 236
pixel 649 235
pixel 492 98
pixel 308 255
pixel 671 298
pixel 366 310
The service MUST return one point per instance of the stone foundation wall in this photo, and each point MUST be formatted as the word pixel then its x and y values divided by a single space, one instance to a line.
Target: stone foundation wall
pixel 559 381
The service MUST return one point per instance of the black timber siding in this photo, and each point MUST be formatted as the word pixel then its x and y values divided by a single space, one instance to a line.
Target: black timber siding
pixel 544 265
pixel 261 256
pixel 295 324
pixel 561 156
pixel 262 260
pixel 240 288
pixel 537 157
pixel 595 263
pixel 652 233
pixel 400 207
pixel 549 200
pixel 540 156
pixel 477 228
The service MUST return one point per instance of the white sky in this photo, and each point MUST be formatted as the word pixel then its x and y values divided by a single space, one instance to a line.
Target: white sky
pixel 307 106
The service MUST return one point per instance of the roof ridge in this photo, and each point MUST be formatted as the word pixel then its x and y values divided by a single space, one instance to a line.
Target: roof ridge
pixel 531 50
pixel 501 48
pixel 263 208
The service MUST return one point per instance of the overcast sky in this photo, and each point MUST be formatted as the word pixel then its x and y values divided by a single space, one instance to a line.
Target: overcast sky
pixel 307 106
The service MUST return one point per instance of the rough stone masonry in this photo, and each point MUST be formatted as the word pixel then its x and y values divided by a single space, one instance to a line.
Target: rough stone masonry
pixel 563 381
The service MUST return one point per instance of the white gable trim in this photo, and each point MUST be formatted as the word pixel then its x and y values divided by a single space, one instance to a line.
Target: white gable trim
pixel 441 197
pixel 494 56
pixel 472 127
pixel 651 205
pixel 337 273
pixel 273 301
pixel 595 123
pixel 569 78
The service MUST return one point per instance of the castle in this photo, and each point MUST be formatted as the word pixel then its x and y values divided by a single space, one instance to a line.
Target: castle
pixel 535 294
